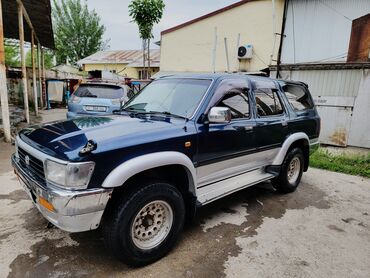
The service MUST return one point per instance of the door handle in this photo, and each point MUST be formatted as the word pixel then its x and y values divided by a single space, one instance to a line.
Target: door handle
pixel 284 123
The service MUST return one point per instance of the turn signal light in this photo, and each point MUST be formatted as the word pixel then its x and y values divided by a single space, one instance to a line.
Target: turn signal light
pixel 43 202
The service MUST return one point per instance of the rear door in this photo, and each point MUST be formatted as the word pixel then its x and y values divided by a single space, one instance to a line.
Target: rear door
pixel 271 118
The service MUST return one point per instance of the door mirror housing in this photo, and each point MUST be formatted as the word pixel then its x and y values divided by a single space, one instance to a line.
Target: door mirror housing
pixel 219 115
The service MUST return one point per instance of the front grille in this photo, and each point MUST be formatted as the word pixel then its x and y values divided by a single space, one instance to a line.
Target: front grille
pixel 36 166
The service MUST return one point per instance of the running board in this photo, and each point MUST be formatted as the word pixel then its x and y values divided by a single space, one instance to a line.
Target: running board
pixel 217 190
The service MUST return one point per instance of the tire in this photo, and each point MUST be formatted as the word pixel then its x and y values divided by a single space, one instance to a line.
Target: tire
pixel 289 178
pixel 144 225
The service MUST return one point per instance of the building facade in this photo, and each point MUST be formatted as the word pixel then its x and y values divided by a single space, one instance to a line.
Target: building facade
pixel 127 63
pixel 326 44
pixel 199 45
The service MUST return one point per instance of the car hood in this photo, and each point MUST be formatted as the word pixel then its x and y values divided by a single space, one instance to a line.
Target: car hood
pixel 64 139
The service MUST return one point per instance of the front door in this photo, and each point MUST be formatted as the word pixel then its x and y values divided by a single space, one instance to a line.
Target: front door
pixel 223 149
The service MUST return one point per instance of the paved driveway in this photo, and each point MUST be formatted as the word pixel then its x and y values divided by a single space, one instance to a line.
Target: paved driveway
pixel 321 230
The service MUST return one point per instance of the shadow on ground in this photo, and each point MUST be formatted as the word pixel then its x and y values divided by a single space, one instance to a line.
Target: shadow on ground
pixel 201 252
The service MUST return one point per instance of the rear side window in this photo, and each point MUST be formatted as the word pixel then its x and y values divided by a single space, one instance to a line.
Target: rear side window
pixel 268 102
pixel 298 97
pixel 97 91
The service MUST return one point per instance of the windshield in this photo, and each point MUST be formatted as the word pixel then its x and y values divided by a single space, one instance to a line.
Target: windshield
pixel 99 91
pixel 175 96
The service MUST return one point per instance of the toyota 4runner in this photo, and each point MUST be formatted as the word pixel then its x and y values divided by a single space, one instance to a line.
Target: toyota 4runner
pixel 182 142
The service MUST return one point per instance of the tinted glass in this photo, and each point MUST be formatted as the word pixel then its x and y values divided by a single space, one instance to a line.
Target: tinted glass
pixel 177 96
pixel 237 103
pixel 98 91
pixel 298 97
pixel 268 102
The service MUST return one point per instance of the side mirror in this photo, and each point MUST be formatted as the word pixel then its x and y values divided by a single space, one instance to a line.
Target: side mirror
pixel 219 115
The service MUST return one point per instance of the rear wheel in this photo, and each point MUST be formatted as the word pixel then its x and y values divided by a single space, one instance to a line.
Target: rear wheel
pixel 142 227
pixel 291 172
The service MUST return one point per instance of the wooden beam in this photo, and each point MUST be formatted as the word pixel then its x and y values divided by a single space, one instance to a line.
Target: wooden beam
pixel 27 18
pixel 40 77
pixel 43 77
pixel 33 58
pixel 23 64
pixel 3 88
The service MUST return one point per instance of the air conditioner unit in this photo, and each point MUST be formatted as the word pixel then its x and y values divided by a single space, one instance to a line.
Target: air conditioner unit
pixel 245 51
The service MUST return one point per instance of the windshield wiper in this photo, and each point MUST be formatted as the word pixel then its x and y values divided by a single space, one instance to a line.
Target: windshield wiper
pixel 167 113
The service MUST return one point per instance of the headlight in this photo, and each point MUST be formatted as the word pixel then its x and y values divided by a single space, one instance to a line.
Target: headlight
pixel 69 175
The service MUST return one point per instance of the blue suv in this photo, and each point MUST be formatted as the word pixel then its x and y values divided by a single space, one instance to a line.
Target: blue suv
pixel 182 142
pixel 97 98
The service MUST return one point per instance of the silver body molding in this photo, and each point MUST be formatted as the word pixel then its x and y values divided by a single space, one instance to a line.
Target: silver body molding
pixel 227 168
pixel 149 161
pixel 286 145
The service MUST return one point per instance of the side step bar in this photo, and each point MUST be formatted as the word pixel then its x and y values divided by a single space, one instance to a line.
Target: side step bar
pixel 222 188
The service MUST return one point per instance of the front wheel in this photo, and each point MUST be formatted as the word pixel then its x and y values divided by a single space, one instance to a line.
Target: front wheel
pixel 142 227
pixel 291 172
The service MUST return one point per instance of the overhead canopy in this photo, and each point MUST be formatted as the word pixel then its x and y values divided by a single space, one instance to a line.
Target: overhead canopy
pixel 39 12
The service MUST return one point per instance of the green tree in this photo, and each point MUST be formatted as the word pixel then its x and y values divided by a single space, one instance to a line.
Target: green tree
pixel 78 31
pixel 12 58
pixel 48 59
pixel 146 13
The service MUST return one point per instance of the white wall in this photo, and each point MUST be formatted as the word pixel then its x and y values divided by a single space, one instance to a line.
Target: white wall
pixel 189 49
pixel 319 30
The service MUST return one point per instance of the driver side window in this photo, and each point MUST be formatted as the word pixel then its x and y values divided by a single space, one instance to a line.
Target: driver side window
pixel 237 103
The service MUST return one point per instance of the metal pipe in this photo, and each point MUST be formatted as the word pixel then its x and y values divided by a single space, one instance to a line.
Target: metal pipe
pixel 3 88
pixel 278 62
pixel 273 31
pixel 214 52
pixel 23 63
pixel 227 55
pixel 237 66
pixel 34 73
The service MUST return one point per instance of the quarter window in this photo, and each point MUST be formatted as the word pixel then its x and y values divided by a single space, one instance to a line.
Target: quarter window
pixel 298 97
pixel 268 102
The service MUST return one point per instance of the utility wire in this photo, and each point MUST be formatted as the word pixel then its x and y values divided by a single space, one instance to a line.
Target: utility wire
pixel 331 8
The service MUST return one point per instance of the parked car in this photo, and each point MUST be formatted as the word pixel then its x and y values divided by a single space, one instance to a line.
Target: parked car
pixel 97 98
pixel 184 141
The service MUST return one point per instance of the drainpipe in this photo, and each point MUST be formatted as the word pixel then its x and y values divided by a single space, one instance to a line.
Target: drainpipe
pixel 273 30
pixel 286 3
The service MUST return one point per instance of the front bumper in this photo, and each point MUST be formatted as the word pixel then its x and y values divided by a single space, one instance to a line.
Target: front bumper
pixel 72 211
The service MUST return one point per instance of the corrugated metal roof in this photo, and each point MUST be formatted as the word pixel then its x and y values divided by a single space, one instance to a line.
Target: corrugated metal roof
pixel 319 30
pixel 39 12
pixel 134 58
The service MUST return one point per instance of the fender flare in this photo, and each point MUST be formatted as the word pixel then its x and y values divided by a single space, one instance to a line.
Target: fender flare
pixel 129 168
pixel 278 160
